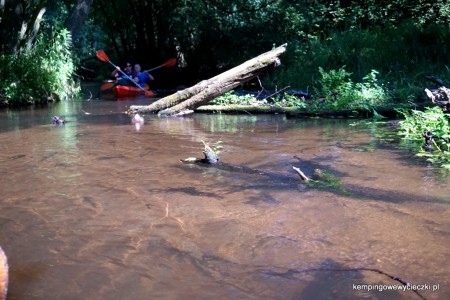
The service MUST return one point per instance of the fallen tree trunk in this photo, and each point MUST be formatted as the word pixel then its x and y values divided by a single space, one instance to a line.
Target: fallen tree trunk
pixel 206 90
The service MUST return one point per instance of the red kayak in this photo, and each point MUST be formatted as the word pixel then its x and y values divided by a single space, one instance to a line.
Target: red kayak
pixel 122 91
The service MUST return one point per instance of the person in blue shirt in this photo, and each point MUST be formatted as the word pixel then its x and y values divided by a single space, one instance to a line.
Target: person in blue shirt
pixel 141 78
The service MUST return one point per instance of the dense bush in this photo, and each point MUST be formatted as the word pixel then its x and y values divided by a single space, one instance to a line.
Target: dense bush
pixel 42 73
pixel 402 54
pixel 434 121
pixel 335 91
pixel 340 92
pixel 402 40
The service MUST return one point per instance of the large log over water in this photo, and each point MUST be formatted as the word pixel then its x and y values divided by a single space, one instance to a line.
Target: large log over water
pixel 206 90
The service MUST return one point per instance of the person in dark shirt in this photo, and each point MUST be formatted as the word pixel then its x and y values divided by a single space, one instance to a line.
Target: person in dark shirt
pixel 124 79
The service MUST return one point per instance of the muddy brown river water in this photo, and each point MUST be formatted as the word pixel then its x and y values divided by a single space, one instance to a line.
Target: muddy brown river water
pixel 102 209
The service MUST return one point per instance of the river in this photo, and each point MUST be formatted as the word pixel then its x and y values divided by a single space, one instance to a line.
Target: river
pixel 100 208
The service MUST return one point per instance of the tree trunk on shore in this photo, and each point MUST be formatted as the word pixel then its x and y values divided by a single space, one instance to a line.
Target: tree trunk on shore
pixel 206 90
pixel 19 24
pixel 77 17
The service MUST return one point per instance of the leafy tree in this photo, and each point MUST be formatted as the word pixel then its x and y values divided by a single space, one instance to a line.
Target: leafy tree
pixel 35 50
pixel 77 17
pixel 19 24
pixel 211 36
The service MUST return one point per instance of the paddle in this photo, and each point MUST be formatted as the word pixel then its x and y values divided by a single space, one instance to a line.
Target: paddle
pixel 107 86
pixel 103 57
pixel 170 63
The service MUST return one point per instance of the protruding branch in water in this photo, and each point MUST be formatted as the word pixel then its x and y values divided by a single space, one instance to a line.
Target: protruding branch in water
pixel 211 156
pixel 301 174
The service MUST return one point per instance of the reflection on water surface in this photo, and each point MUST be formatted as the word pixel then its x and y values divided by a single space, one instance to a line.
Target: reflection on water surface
pixel 97 209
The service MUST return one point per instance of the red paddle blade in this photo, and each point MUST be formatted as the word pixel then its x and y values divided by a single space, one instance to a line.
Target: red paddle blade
pixel 102 56
pixel 170 63
pixel 107 86
pixel 149 94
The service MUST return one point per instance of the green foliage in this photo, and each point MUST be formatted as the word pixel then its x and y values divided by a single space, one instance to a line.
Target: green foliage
pixel 57 61
pixel 403 54
pixel 340 92
pixel 432 120
pixel 230 98
pixel 287 100
pixel 284 100
pixel 326 180
pixel 335 86
pixel 40 74
pixel 403 40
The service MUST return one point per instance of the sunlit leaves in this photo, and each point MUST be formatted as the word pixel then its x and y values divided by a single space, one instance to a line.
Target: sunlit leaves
pixel 42 73
pixel 340 92
pixel 432 120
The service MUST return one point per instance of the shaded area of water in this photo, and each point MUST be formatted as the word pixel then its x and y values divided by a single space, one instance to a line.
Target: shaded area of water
pixel 102 209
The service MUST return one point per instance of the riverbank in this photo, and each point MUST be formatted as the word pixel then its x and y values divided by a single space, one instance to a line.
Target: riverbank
pixel 386 111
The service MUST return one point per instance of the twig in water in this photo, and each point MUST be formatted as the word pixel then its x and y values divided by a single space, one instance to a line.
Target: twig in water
pixel 301 174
